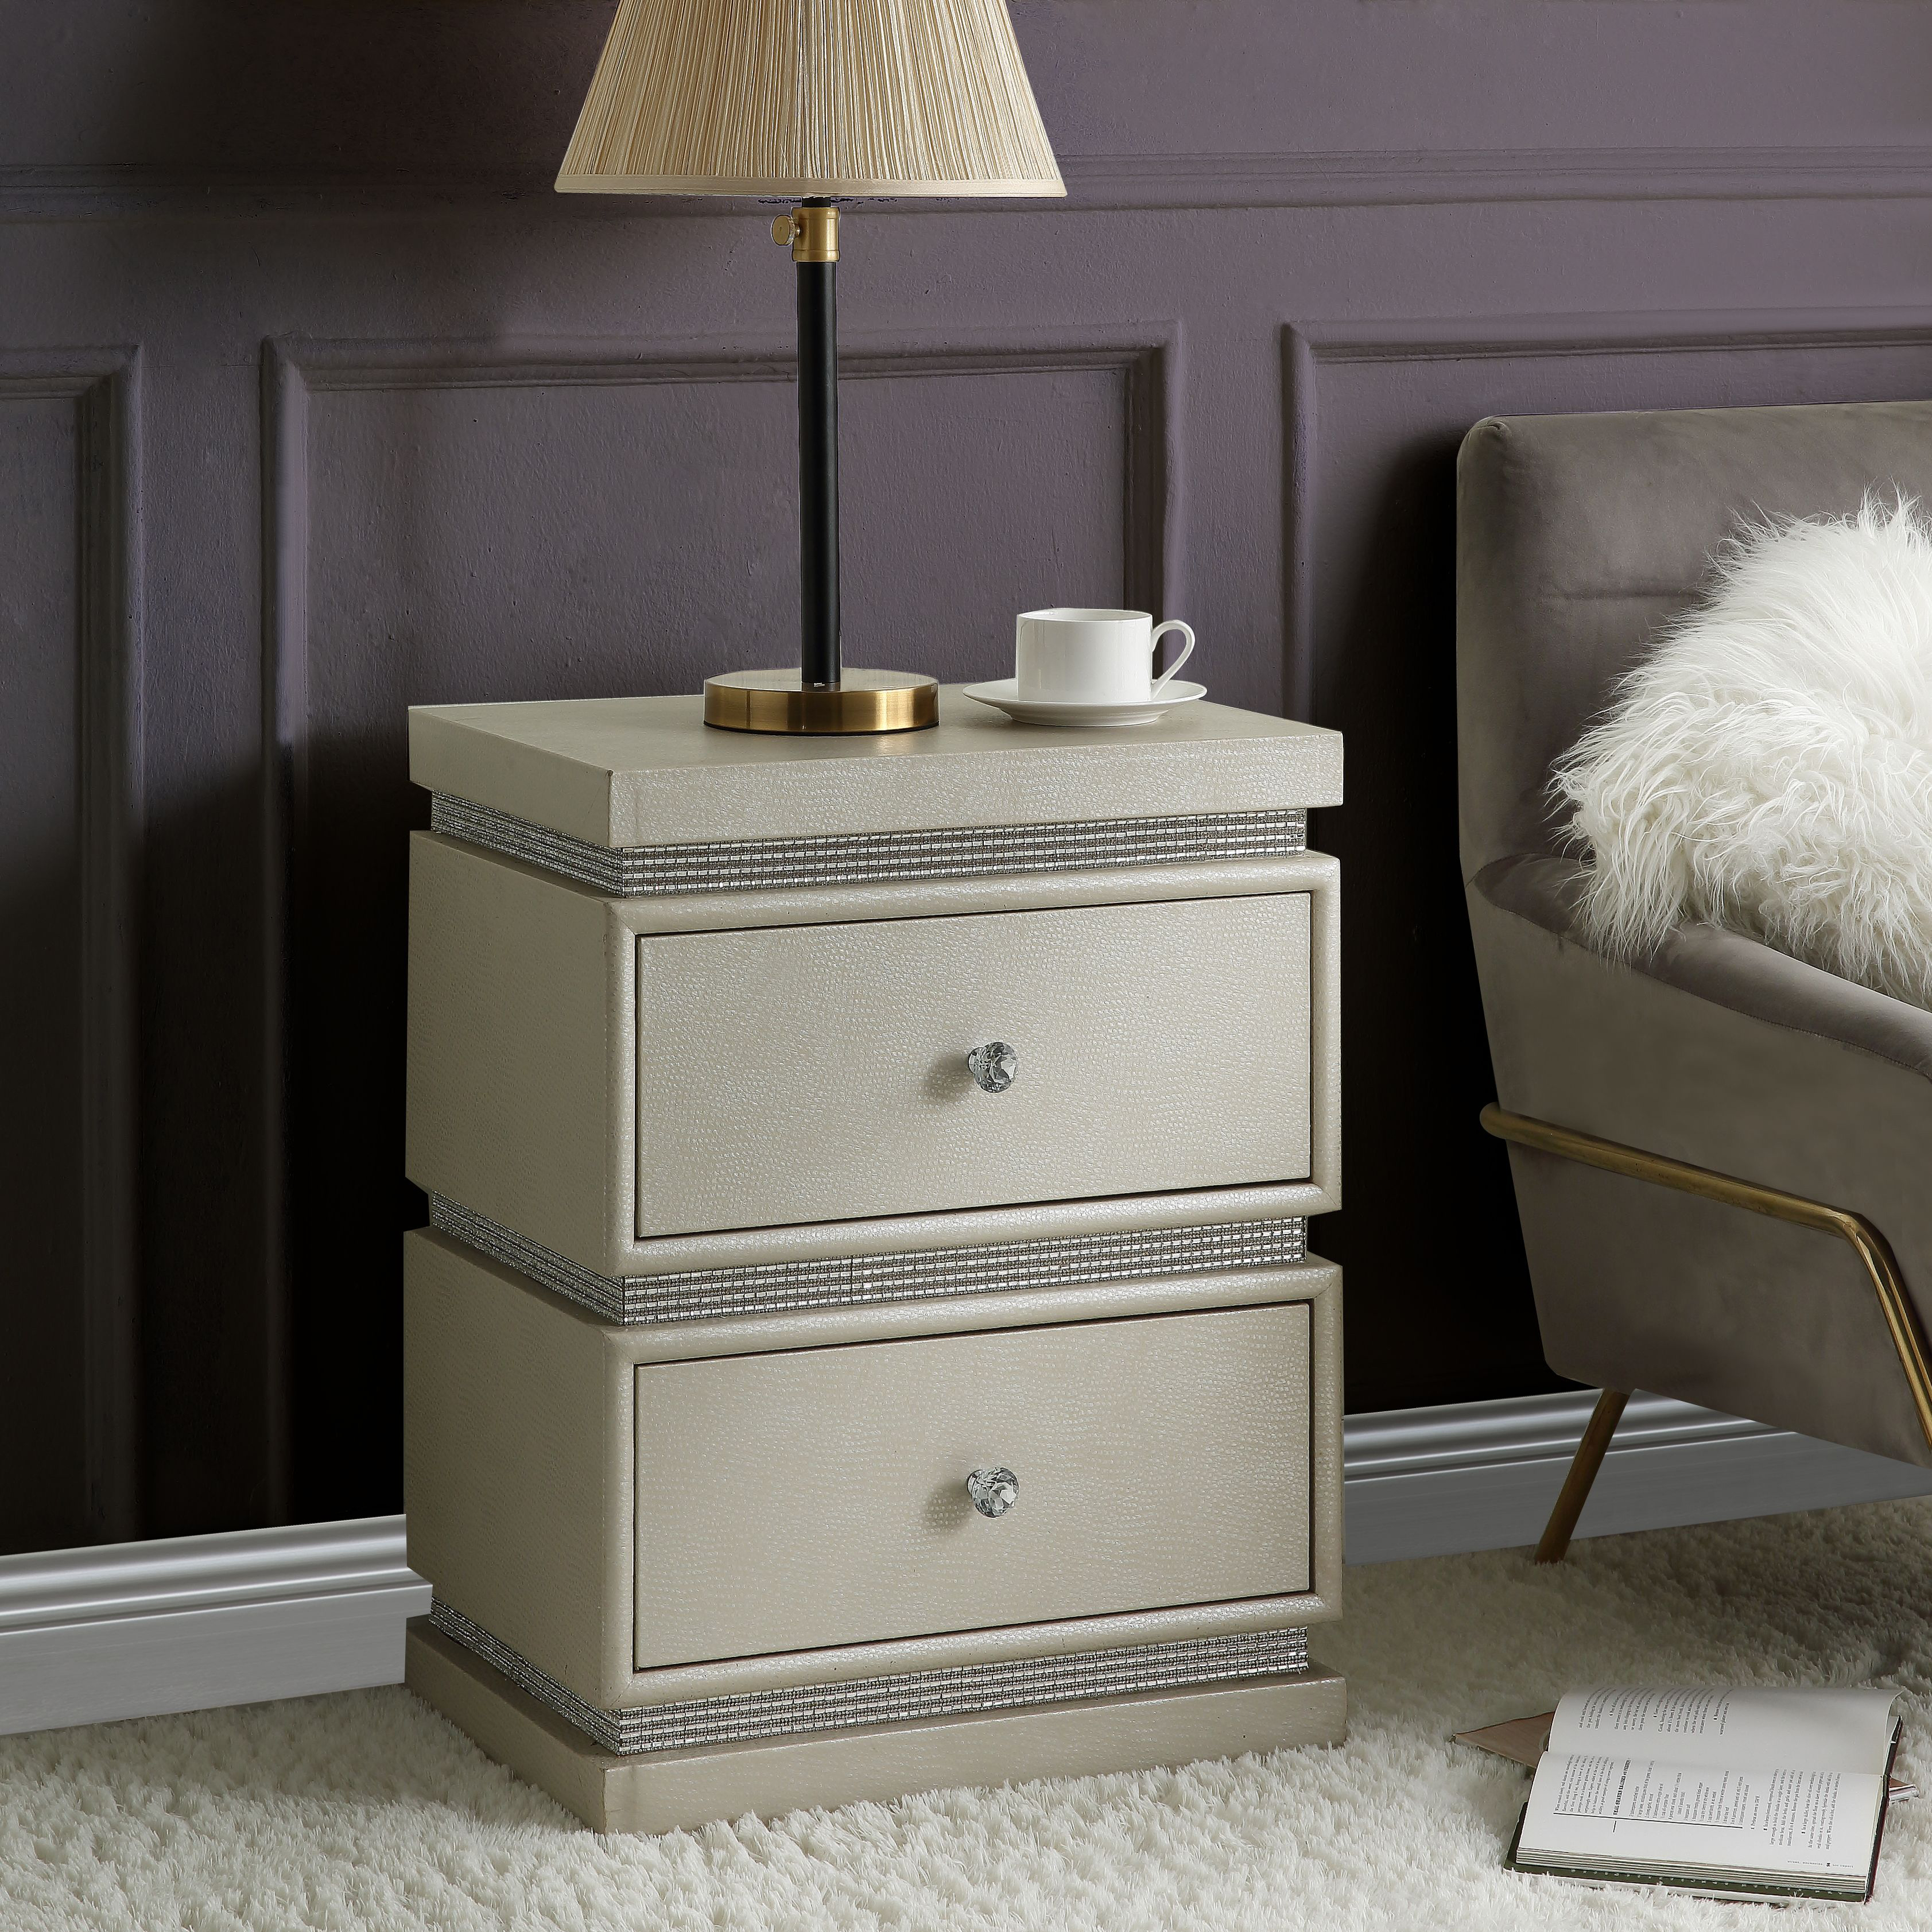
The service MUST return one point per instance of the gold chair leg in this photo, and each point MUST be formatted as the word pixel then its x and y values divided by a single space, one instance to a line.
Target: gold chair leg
pixel 1583 1467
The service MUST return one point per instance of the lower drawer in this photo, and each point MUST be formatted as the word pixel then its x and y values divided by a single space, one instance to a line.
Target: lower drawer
pixel 793 1500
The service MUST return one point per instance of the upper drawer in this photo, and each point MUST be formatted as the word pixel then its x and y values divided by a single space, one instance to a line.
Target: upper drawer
pixel 698 1081
pixel 790 1502
pixel 817 1073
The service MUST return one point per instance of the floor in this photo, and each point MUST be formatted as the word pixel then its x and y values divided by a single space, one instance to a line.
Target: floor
pixel 367 1810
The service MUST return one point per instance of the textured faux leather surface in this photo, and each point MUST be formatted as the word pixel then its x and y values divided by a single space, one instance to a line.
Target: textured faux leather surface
pixel 819 1073
pixel 670 1790
pixel 793 1500
pixel 523 1040
pixel 1709 1060
pixel 518 1096
pixel 510 1406
pixel 1577 535
pixel 647 771
pixel 520 1440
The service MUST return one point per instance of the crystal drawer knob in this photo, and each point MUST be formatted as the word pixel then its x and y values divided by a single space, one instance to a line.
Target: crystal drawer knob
pixel 994 1066
pixel 993 1491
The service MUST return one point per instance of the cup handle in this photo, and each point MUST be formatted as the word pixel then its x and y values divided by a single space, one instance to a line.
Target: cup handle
pixel 1187 650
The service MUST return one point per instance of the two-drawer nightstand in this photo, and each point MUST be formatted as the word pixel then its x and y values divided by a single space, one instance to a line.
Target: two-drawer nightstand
pixel 866 1340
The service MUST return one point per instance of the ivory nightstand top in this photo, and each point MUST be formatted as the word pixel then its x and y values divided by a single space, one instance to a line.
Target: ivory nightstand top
pixel 647 771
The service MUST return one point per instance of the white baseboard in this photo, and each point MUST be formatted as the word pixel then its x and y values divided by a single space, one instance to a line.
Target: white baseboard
pixel 1483 1475
pixel 131 1629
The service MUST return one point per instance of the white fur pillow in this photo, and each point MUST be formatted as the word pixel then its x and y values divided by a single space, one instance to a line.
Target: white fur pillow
pixel 1769 766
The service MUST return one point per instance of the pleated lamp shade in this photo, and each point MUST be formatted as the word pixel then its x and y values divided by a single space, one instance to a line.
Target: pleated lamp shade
pixel 798 98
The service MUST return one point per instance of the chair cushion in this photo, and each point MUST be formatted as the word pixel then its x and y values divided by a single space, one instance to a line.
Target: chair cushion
pixel 1768 766
pixel 1728 969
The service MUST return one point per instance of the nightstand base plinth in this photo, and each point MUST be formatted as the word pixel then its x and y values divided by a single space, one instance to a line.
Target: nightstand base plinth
pixel 663 1791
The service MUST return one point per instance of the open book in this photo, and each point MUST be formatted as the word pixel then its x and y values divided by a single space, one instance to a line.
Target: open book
pixel 1757 1793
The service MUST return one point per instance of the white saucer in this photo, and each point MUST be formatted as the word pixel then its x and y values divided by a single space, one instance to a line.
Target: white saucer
pixel 1004 696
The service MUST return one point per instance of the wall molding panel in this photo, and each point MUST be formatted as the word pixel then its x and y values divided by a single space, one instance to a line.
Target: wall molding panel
pixel 1309 348
pixel 103 385
pixel 1096 183
pixel 1147 357
pixel 333 677
pixel 1461 339
pixel 1424 178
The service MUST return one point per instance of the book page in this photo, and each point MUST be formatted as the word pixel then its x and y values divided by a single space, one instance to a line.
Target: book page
pixel 1523 1740
pixel 1743 1729
pixel 1638 1813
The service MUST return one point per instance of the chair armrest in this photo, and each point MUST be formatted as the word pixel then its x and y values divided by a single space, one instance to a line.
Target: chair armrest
pixel 1721 1053
pixel 1717 1051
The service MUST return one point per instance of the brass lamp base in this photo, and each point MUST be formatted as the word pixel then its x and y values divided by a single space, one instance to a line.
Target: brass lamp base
pixel 861 701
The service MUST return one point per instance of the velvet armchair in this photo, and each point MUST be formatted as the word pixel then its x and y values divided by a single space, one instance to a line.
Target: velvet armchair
pixel 1722 1156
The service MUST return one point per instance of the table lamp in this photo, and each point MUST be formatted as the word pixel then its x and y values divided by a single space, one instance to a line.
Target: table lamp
pixel 813 101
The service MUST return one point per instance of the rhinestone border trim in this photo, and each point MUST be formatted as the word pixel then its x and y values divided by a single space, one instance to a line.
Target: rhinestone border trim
pixel 852 1280
pixel 859 858
pixel 885 1700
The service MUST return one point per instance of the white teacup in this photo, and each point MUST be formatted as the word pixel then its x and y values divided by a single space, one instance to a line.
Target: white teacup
pixel 1101 657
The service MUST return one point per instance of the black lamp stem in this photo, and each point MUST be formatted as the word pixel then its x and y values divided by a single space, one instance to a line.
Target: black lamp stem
pixel 821 697
pixel 818 464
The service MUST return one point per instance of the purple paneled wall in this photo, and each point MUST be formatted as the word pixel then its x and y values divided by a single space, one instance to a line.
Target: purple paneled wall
pixel 316 403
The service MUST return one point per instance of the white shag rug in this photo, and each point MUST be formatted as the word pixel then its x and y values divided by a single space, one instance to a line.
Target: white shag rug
pixel 367 1810
pixel 1768 766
